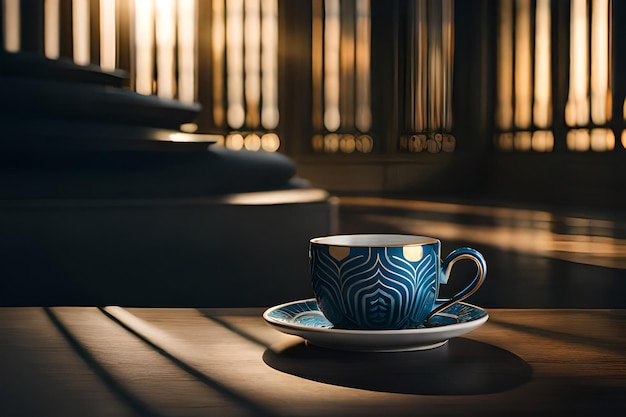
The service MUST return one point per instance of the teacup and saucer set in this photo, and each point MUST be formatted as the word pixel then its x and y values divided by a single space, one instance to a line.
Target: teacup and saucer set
pixel 378 293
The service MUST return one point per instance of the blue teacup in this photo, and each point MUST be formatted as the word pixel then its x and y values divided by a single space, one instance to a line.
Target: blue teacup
pixel 378 281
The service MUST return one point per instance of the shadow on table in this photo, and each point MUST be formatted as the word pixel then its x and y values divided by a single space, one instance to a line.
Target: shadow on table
pixel 460 367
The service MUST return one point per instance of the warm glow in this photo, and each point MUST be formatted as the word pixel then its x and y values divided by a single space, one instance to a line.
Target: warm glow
pixel 165 43
pixel 218 49
pixel 318 143
pixel 270 142
pixel 186 50
pixel 418 68
pixel 429 66
pixel 317 68
pixel 522 141
pixel 447 18
pixel 52 29
pixel 504 109
pixel 11 25
pixel 364 144
pixel 235 115
pixel 80 31
pixel 543 141
pixel 144 44
pixel 439 65
pixel 108 45
pixel 504 141
pixel 252 142
pixel 602 140
pixel 511 232
pixel 235 141
pixel 434 74
pixel 542 110
pixel 578 140
pixel 331 143
pixel 332 42
pixel 577 107
pixel 600 53
pixel 189 127
pixel 347 70
pixel 589 75
pixel 363 119
pixel 182 137
pixel 347 143
pixel 269 63
pixel 252 61
pixel 523 62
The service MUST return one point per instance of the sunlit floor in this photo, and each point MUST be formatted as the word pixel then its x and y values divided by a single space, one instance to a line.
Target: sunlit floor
pixel 536 258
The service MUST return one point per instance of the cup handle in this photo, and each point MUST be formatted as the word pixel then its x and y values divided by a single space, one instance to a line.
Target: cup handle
pixel 446 267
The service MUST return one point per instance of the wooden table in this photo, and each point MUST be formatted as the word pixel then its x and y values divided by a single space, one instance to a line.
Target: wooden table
pixel 87 361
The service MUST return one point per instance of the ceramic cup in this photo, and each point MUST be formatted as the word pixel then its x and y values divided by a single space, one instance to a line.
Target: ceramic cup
pixel 377 281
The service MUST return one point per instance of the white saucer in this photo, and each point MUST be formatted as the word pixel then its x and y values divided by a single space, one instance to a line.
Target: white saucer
pixel 303 318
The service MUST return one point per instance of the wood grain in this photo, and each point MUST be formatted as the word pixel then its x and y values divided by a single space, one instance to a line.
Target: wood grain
pixel 228 362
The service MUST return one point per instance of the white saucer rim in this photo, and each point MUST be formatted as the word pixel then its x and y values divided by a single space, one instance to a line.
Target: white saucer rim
pixel 425 330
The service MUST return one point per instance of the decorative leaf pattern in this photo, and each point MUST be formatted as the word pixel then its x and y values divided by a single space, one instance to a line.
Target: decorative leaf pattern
pixel 375 288
pixel 306 313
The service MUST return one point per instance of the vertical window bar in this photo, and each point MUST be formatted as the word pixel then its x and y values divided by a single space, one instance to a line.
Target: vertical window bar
pixel 447 16
pixel 332 41
pixel 317 62
pixel 269 67
pixel 52 29
pixel 80 31
pixel 165 23
pixel 187 50
pixel 577 107
pixel 235 115
pixel 218 35
pixel 542 114
pixel 346 64
pixel 11 13
pixel 143 37
pixel 108 35
pixel 523 66
pixel 252 62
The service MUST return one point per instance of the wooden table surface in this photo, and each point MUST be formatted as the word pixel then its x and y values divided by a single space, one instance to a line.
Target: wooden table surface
pixel 87 361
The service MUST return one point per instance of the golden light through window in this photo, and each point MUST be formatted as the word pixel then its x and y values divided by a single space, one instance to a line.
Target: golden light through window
pixel 218 48
pixel 80 31
pixel 577 108
pixel 429 68
pixel 269 65
pixel 235 113
pixel 245 43
pixel 341 69
pixel 332 66
pixel 107 35
pixel 600 68
pixel 165 24
pixel 162 36
pixel 186 46
pixel 542 107
pixel 363 119
pixel 11 24
pixel 144 44
pixel 525 62
pixel 589 98
pixel 252 62
pixel 52 28
pixel 523 65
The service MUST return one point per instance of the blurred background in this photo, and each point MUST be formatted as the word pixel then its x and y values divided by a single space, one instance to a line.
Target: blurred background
pixel 151 145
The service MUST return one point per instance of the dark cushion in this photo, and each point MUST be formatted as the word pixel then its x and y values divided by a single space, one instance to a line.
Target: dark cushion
pixel 143 174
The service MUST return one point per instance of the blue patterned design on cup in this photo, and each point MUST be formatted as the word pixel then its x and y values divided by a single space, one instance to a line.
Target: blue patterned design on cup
pixel 392 287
